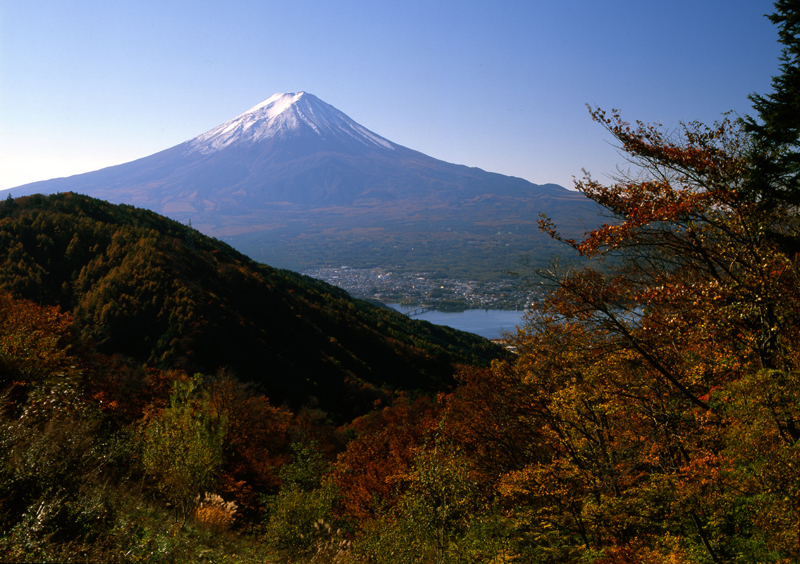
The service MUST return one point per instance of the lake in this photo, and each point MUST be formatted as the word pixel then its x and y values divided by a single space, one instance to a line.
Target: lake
pixel 489 323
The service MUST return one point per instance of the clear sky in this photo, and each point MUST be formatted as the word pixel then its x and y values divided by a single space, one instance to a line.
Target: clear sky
pixel 497 84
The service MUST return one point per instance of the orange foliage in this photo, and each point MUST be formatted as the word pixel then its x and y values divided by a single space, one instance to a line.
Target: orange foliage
pixel 34 340
pixel 486 417
pixel 383 449
pixel 256 444
pixel 630 365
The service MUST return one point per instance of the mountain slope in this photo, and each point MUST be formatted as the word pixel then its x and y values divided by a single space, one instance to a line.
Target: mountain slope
pixel 296 165
pixel 147 287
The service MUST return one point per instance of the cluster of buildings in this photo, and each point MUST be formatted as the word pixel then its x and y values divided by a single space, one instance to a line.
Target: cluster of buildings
pixel 421 288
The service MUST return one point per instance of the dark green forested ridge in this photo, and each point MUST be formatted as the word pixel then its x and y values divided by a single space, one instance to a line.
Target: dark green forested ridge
pixel 155 290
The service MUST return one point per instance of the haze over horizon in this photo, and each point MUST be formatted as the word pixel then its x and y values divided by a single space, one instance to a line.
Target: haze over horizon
pixel 500 86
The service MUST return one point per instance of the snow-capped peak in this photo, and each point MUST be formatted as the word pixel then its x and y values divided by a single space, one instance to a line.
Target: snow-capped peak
pixel 286 115
pixel 275 104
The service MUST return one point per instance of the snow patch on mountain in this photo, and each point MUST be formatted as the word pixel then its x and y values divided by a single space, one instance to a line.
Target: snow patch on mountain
pixel 285 115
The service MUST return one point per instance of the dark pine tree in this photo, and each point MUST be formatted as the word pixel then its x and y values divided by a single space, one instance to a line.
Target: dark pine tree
pixel 775 178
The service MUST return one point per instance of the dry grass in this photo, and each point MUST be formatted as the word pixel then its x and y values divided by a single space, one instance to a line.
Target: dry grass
pixel 215 513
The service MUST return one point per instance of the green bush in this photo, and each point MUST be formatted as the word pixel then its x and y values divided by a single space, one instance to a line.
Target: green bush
pixel 304 505
pixel 182 448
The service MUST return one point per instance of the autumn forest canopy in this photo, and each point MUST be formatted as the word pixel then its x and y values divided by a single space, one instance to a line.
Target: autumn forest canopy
pixel 164 398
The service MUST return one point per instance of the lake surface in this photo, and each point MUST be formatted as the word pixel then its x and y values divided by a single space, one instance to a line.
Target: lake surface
pixel 489 323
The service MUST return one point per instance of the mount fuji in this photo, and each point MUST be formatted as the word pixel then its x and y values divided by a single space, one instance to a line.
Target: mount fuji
pixel 296 183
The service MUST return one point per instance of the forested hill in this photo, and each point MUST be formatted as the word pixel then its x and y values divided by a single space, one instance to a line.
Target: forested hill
pixel 149 288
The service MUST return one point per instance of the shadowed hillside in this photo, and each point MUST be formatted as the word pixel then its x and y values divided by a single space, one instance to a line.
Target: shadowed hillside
pixel 150 288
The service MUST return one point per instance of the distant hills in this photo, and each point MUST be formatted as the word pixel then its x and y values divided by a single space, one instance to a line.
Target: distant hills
pixel 296 183
pixel 148 288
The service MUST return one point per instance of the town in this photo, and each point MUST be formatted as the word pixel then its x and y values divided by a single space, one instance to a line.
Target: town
pixel 420 288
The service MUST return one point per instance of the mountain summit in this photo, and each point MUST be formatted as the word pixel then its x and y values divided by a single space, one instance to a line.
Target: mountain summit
pixel 296 183
pixel 284 116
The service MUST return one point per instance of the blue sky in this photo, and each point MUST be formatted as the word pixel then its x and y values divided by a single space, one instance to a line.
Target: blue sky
pixel 501 85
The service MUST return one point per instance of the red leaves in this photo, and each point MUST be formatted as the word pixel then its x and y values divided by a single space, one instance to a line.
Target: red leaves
pixel 384 448
pixel 694 149
pixel 685 176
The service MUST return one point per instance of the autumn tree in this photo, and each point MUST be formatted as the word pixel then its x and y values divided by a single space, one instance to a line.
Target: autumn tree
pixel 689 292
pixel 383 445
pixel 35 341
pixel 256 442
pixel 486 415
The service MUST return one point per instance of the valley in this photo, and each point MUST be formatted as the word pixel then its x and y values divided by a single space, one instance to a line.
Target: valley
pixel 454 245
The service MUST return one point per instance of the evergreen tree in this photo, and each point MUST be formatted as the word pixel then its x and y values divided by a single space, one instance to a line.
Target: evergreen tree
pixel 7 206
pixel 190 235
pixel 775 177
